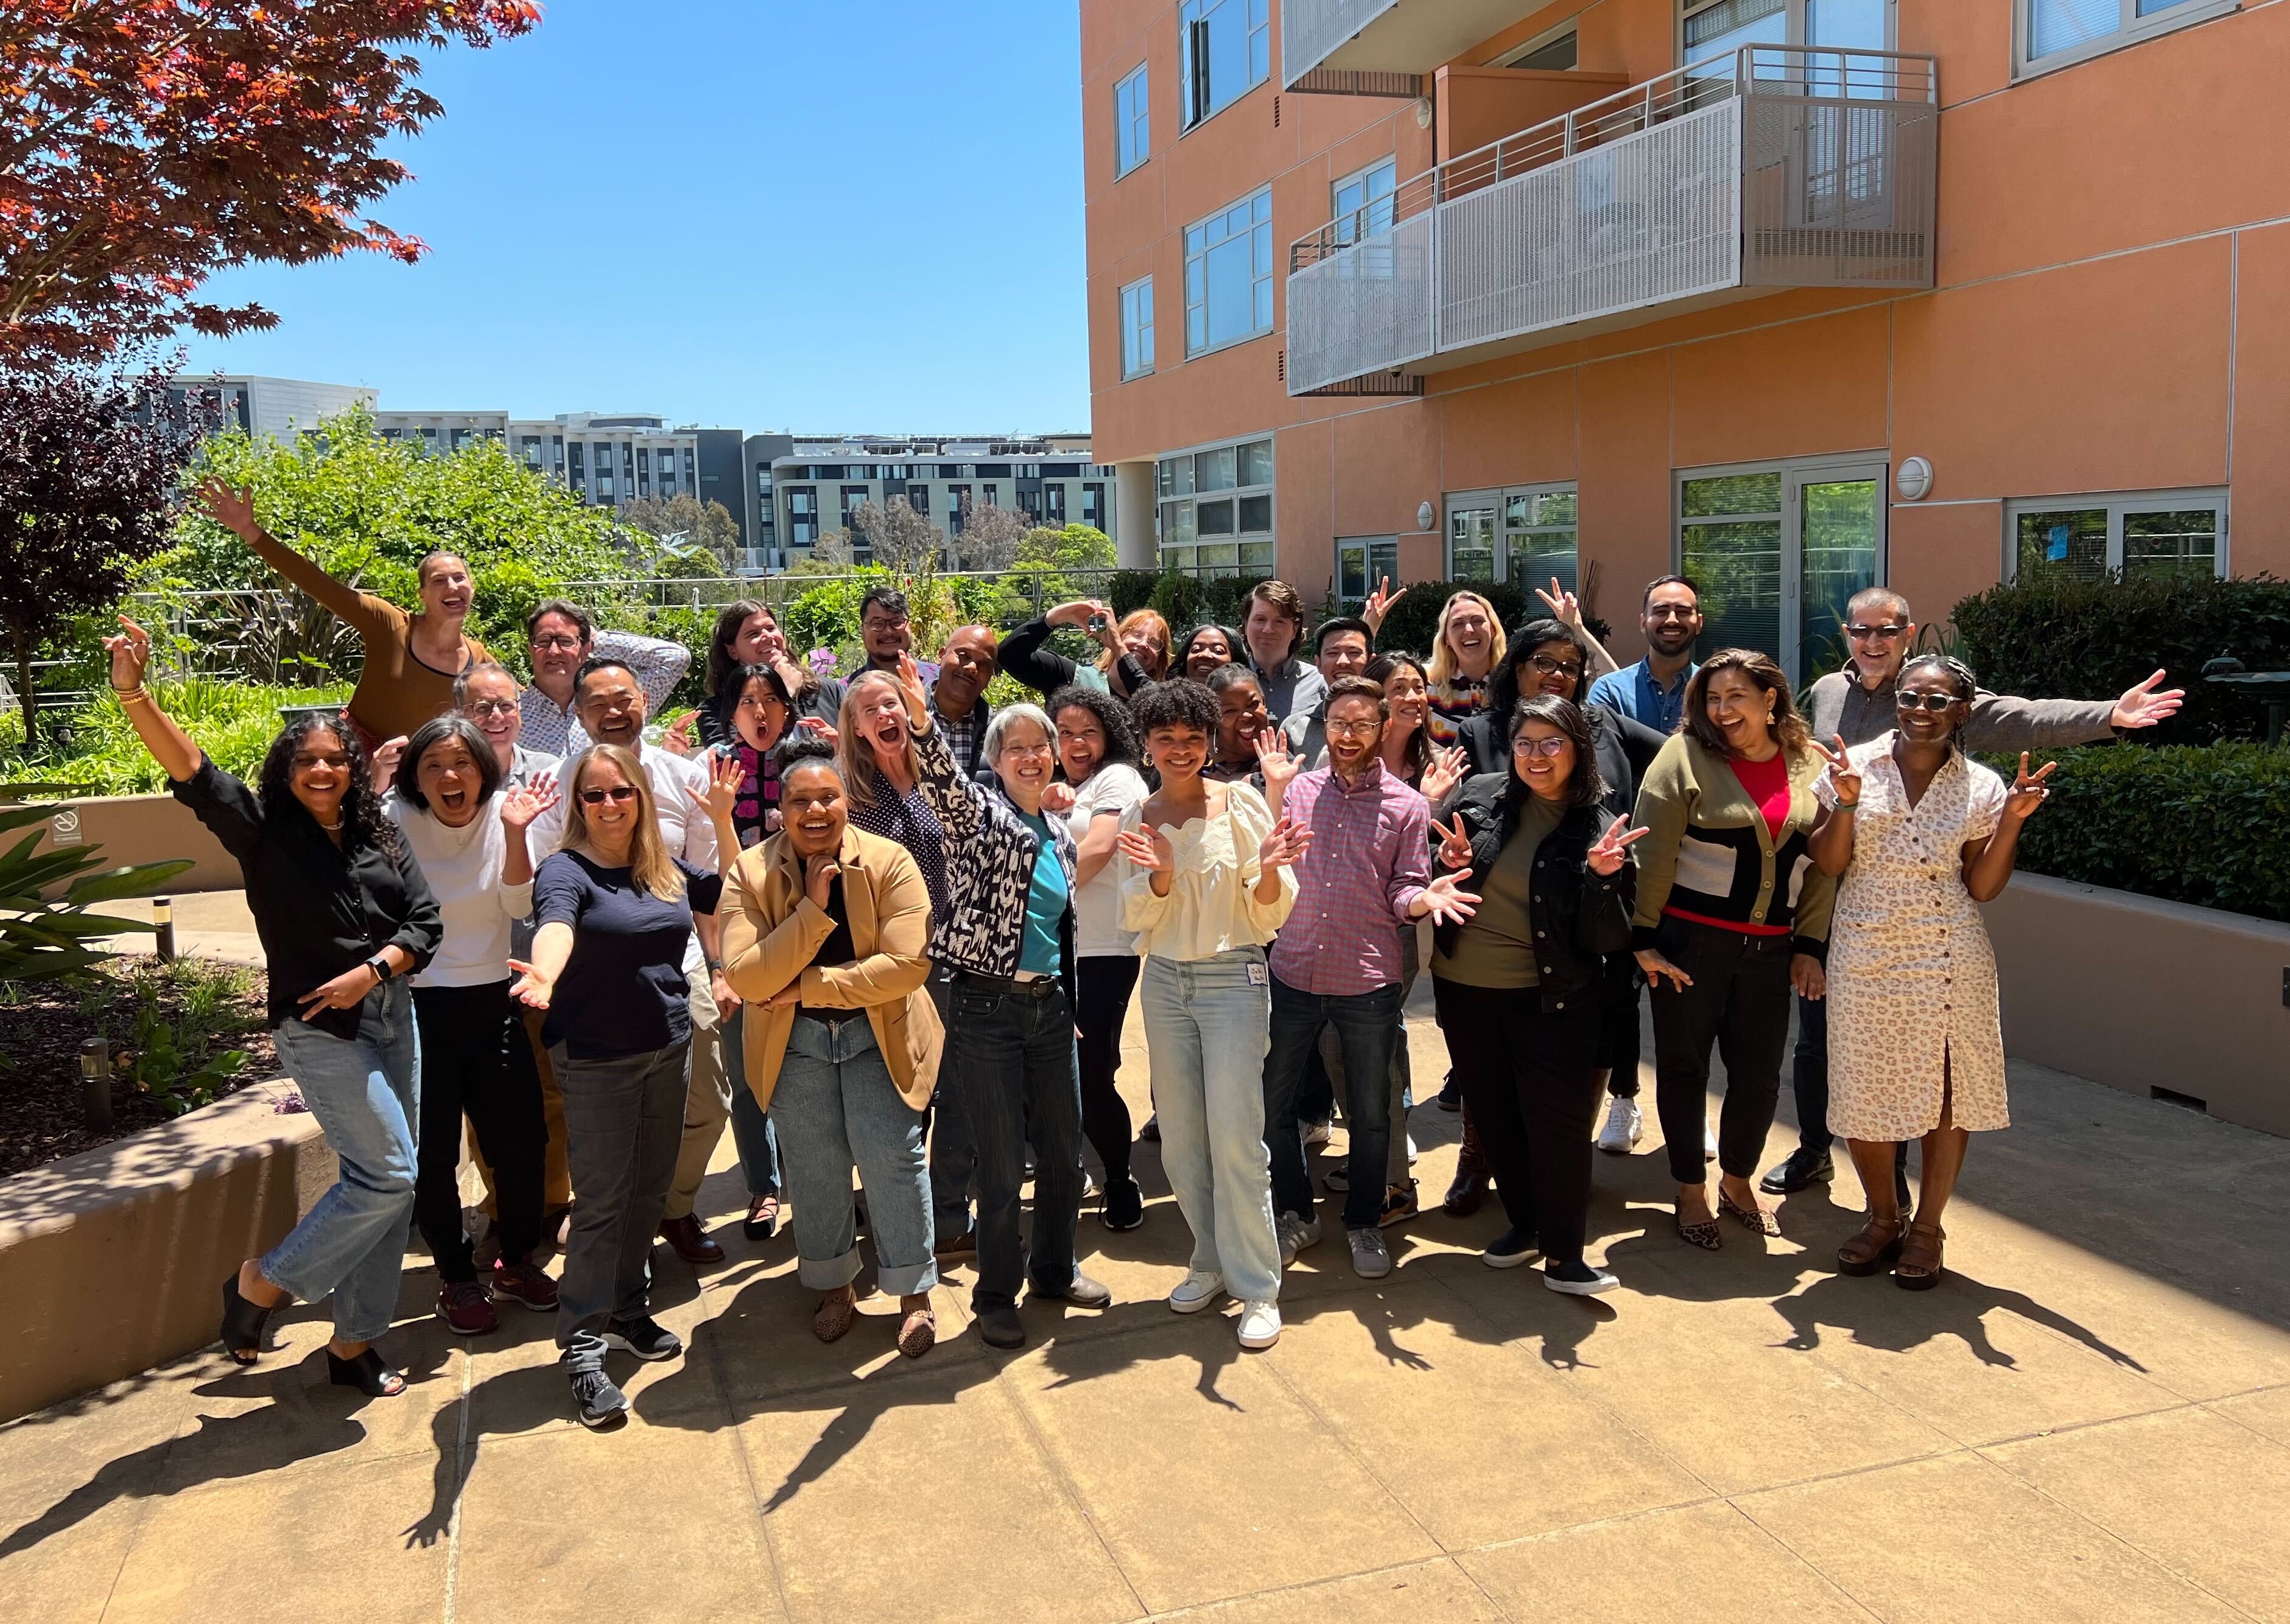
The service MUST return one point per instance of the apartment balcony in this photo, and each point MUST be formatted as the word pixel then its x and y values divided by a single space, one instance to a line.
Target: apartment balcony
pixel 1365 44
pixel 1774 167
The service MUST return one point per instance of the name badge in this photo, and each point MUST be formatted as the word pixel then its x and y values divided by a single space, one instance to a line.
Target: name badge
pixel 1256 976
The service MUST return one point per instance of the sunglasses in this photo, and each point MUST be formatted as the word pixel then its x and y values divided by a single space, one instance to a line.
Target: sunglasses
pixel 616 794
pixel 1863 634
pixel 1551 746
pixel 1923 702
pixel 1554 668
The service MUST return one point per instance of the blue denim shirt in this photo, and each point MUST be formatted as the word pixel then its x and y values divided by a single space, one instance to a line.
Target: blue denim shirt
pixel 1634 692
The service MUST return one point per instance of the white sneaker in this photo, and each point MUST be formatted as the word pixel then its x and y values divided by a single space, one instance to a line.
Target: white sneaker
pixel 1708 1141
pixel 1295 1235
pixel 1624 1127
pixel 1196 1291
pixel 1411 1150
pixel 1318 1133
pixel 1260 1323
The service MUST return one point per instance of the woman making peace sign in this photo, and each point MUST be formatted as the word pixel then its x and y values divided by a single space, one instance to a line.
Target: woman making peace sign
pixel 1921 835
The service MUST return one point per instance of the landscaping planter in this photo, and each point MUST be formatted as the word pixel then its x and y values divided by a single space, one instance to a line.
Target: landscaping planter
pixel 144 829
pixel 2158 998
pixel 113 1260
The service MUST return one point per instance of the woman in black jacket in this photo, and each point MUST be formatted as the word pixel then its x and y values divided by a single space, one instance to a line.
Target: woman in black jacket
pixel 1520 986
pixel 1136 651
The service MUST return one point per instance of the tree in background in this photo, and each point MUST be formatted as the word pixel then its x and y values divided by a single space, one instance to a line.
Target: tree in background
pixel 707 528
pixel 85 478
pixel 147 144
pixel 990 539
pixel 897 538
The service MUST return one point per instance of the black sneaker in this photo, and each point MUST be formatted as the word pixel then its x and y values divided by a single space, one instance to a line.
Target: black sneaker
pixel 1124 1207
pixel 1577 1279
pixel 1451 1095
pixel 644 1337
pixel 1802 1170
pixel 597 1399
pixel 1509 1250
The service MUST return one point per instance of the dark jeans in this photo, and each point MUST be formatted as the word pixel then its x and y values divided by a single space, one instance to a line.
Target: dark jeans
pixel 1101 990
pixel 1618 1033
pixel 1011 1055
pixel 623 1125
pixel 1529 1076
pixel 1739 1000
pixel 477 1061
pixel 1315 1094
pixel 1366 1026
pixel 953 1159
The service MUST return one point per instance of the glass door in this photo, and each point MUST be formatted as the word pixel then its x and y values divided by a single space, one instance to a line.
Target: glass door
pixel 1471 525
pixel 1841 530
pixel 1777 553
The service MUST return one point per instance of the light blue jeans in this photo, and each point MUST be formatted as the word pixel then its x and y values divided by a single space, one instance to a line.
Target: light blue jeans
pixel 752 1133
pixel 1207 1032
pixel 834 1106
pixel 365 1093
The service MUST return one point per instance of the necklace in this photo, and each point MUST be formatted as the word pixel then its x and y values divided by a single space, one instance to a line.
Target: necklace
pixel 335 827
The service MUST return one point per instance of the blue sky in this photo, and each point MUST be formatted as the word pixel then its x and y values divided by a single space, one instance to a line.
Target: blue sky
pixel 753 213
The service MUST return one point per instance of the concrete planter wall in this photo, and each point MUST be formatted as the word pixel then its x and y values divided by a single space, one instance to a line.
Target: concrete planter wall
pixel 144 829
pixel 113 1260
pixel 2143 996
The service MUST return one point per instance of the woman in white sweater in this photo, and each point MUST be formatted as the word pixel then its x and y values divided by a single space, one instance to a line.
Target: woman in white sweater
pixel 470 840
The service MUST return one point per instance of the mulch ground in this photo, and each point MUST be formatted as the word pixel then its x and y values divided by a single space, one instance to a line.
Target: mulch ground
pixel 41 1119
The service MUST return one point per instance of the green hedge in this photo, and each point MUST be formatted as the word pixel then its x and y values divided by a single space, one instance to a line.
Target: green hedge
pixel 2049 637
pixel 2209 825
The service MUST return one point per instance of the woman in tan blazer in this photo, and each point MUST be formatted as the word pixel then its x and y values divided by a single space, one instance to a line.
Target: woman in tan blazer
pixel 826 938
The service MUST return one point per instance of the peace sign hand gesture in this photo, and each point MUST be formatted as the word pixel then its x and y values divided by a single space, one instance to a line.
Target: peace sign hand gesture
pixel 1612 849
pixel 1843 776
pixel 1454 843
pixel 1380 603
pixel 1565 607
pixel 2029 790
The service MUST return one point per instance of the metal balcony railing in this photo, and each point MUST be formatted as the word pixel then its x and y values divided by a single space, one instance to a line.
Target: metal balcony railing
pixel 1312 30
pixel 1772 167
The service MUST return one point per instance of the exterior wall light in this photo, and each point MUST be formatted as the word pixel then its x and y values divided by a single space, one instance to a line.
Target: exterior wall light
pixel 1913 480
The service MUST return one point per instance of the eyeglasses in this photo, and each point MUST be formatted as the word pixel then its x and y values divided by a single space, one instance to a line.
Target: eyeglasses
pixel 1922 701
pixel 1549 667
pixel 491 707
pixel 617 794
pixel 1865 634
pixel 1672 611
pixel 1551 747
pixel 1352 730
pixel 556 642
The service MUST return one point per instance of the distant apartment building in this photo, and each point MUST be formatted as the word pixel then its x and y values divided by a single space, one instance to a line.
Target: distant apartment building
pixel 1794 296
pixel 277 408
pixel 442 432
pixel 607 459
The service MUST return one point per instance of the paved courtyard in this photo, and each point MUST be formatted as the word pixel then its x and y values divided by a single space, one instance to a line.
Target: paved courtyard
pixel 2089 1419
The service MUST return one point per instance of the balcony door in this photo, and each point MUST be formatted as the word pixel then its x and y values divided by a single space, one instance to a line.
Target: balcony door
pixel 1778 550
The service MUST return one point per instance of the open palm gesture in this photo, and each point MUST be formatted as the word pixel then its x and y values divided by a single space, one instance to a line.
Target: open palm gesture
pixel 2028 791
pixel 1273 758
pixel 1843 776
pixel 1449 767
pixel 1610 850
pixel 229 507
pixel 1149 849
pixel 917 698
pixel 1283 843
pixel 1446 901
pixel 520 806
pixel 2142 705
pixel 715 798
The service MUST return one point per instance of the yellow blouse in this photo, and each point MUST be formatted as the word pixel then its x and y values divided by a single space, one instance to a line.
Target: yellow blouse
pixel 1212 906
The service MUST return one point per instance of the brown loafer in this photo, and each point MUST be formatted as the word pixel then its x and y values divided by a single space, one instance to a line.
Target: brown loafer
pixel 918 1332
pixel 836 1315
pixel 688 1241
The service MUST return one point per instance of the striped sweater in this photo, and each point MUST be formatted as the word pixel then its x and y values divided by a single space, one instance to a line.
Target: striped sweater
pixel 1709 851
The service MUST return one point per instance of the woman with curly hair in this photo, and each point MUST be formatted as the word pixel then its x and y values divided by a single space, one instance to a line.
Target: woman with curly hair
pixel 344 917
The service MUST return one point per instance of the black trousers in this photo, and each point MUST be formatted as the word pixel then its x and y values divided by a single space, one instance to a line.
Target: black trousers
pixel 1529 1077
pixel 1739 1000
pixel 1101 990
pixel 475 1059
pixel 1618 1033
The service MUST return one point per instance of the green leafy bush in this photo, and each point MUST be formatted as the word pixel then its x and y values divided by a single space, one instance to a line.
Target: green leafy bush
pixel 1186 601
pixel 174 1058
pixel 45 931
pixel 2050 636
pixel 233 723
pixel 2209 825
pixel 1131 590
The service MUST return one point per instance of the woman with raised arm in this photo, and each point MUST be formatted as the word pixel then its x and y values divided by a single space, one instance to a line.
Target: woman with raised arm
pixel 411 660
pixel 1732 913
pixel 1134 652
pixel 468 837
pixel 1205 878
pixel 1922 835
pixel 615 912
pixel 344 915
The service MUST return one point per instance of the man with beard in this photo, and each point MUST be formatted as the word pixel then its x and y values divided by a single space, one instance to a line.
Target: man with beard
pixel 1653 691
pixel 957 702
pixel 1340 648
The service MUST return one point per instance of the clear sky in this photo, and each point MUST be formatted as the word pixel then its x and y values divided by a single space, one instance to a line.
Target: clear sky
pixel 762 214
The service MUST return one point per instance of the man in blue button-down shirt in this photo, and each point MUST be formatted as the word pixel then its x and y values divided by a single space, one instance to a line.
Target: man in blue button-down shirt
pixel 1653 691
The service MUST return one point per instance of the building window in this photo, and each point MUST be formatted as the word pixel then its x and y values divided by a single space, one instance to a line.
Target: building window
pixel 2052 33
pixel 1137 328
pixel 919 498
pixel 1552 53
pixel 1092 505
pixel 691 467
pixel 2147 537
pixel 1361 562
pixel 529 448
pixel 1360 204
pixel 1229 275
pixel 644 470
pixel 1719 28
pixel 803 517
pixel 1216 509
pixel 601 489
pixel 1132 125
pixel 1525 535
pixel 991 494
pixel 1224 50
pixel 1053 505
pixel 958 509
pixel 854 497
pixel 580 476
pixel 1777 551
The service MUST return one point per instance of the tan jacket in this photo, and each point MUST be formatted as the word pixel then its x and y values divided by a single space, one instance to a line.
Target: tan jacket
pixel 770 930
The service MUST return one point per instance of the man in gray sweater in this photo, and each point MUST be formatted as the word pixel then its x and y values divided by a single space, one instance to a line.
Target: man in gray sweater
pixel 1856 705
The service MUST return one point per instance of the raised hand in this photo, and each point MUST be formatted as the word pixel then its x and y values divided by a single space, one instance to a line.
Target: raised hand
pixel 1565 607
pixel 230 507
pixel 1148 848
pixel 819 876
pixel 1283 843
pixel 676 739
pixel 1274 760
pixel 520 806
pixel 130 656
pixel 1449 767
pixel 816 728
pixel 382 771
pixel 2141 706
pixel 917 698
pixel 1612 849
pixel 1657 966
pixel 543 783
pixel 1843 776
pixel 531 987
pixel 2028 791
pixel 1446 901
pixel 723 786
pixel 1380 601
pixel 1454 843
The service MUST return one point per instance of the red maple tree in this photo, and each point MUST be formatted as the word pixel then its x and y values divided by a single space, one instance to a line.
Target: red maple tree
pixel 146 144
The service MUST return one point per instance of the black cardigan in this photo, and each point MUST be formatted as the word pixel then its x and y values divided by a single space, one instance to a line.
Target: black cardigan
pixel 1045 670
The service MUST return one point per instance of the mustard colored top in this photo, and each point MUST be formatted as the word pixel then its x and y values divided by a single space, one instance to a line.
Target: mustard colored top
pixel 1212 906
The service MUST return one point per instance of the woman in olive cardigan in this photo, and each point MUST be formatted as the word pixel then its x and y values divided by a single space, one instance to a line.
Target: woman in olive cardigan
pixel 1732 913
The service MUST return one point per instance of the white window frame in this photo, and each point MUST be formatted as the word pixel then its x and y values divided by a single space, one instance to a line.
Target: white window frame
pixel 2133 30
pixel 1367 547
pixel 2116 505
pixel 1547 37
pixel 1136 336
pixel 1186 123
pixel 1360 178
pixel 1248 201
pixel 1191 495
pixel 1133 131
pixel 1793 25
pixel 1499 498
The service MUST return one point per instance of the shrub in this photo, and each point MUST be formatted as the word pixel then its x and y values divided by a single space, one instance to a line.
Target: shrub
pixel 2049 637
pixel 45 931
pixel 1131 590
pixel 2209 825
pixel 233 723
pixel 1186 601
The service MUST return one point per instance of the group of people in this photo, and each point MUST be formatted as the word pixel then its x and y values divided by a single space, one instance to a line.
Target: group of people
pixel 883 928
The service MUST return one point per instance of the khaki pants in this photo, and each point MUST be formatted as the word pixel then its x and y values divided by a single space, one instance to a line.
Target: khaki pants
pixel 707 1101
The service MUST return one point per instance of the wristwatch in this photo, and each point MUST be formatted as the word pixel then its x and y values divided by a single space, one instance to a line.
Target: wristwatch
pixel 380 968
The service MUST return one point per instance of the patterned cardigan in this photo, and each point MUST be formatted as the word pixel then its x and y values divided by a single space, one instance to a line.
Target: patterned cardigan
pixel 989 869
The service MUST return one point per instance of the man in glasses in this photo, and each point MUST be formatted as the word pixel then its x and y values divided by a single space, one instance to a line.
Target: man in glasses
pixel 560 638
pixel 1654 690
pixel 1859 704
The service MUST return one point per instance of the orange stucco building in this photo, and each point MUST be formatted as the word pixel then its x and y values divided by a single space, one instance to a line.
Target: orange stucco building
pixel 1799 294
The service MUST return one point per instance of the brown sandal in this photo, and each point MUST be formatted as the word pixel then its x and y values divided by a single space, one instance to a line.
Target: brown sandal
pixel 1752 1217
pixel 919 1331
pixel 1919 1267
pixel 835 1314
pixel 1874 1248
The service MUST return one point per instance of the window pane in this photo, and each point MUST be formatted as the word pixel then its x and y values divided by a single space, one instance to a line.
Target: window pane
pixel 1216 468
pixel 1846 25
pixel 1177 523
pixel 1223 557
pixel 1556 57
pixel 1731 24
pixel 2165 544
pixel 1840 559
pixel 1256 556
pixel 1255 515
pixel 1540 507
pixel 1351 571
pixel 1216 517
pixel 2074 542
pixel 2057 25
pixel 1536 555
pixel 1256 463
pixel 1731 493
pixel 1472 544
pixel 1737 568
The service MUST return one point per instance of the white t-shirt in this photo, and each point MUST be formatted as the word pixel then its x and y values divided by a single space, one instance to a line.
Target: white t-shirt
pixel 1097 905
pixel 463 867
